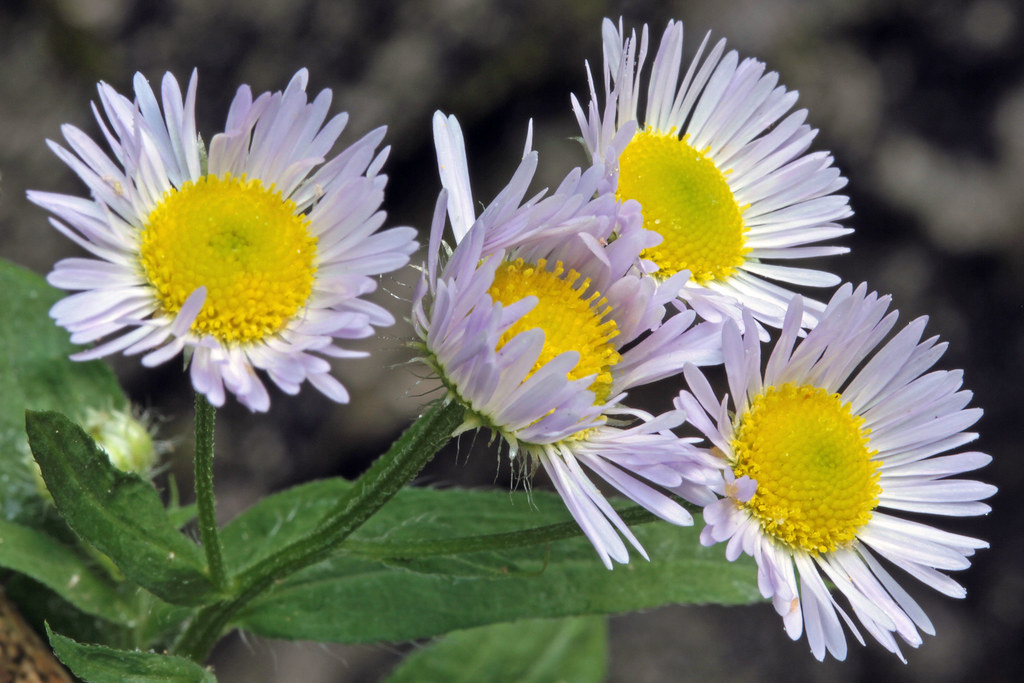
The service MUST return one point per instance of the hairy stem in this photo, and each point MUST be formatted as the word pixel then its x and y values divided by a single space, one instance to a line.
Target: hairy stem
pixel 205 501
pixel 371 491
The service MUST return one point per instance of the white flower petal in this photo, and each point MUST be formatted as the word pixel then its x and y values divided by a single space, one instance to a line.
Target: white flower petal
pixel 909 416
pixel 734 114
pixel 278 139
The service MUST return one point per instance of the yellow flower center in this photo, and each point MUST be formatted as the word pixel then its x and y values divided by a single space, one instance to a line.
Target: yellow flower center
pixel 572 319
pixel 686 199
pixel 246 244
pixel 816 481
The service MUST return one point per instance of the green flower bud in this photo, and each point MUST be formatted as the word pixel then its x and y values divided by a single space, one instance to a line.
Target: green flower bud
pixel 124 437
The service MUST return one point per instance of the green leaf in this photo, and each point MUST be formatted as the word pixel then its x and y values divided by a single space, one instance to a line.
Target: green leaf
pixel 278 520
pixel 413 516
pixel 532 651
pixel 101 664
pixel 180 516
pixel 375 594
pixel 63 570
pixel 38 605
pixel 35 372
pixel 117 512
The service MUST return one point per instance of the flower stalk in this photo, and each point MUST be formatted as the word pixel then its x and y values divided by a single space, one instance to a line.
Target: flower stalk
pixel 205 500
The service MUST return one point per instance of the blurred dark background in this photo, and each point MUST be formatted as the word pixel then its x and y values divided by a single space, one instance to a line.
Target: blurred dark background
pixel 922 104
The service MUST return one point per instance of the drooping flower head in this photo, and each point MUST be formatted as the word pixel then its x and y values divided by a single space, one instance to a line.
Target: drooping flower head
pixel 720 171
pixel 254 257
pixel 534 324
pixel 820 455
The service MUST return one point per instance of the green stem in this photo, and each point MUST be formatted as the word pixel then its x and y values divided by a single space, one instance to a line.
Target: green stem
pixel 473 544
pixel 205 501
pixel 373 489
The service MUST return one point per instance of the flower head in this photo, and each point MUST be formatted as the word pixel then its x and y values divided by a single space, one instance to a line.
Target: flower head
pixel 537 324
pixel 254 258
pixel 720 171
pixel 823 451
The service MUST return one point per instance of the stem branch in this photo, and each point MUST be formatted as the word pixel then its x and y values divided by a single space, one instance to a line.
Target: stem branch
pixel 373 489
pixel 472 544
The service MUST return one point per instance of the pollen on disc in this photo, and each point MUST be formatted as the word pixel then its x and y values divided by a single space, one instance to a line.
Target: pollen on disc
pixel 816 481
pixel 686 199
pixel 244 242
pixel 573 318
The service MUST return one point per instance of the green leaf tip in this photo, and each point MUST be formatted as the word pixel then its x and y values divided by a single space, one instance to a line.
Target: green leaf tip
pixel 101 664
pixel 119 513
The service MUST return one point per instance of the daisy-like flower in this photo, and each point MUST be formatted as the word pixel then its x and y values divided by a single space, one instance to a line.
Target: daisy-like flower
pixel 535 324
pixel 720 171
pixel 255 257
pixel 820 457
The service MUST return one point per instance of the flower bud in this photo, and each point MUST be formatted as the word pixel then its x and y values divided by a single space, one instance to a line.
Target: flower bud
pixel 123 436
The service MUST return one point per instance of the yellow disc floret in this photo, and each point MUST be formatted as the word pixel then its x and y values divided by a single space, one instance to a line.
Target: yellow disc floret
pixel 572 318
pixel 244 242
pixel 686 199
pixel 816 481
